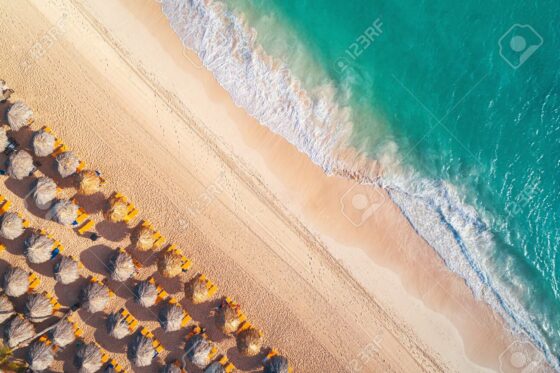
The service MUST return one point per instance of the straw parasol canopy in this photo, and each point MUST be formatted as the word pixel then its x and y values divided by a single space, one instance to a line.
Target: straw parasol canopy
pixel 169 264
pixel 5 91
pixel 38 248
pixel 145 293
pixel 145 238
pixel 170 317
pixel 117 326
pixel 173 368
pixel 117 209
pixel 44 192
pixel 121 266
pixel 89 182
pixel 18 330
pixel 67 163
pixel 19 116
pixel 66 271
pixel 249 342
pixel 20 164
pixel 40 356
pixel 198 350
pixel 228 317
pixel 11 226
pixel 197 291
pixel 6 308
pixel 43 143
pixel 215 367
pixel 4 139
pixel 38 308
pixel 63 333
pixel 94 297
pixel 276 364
pixel 64 212
pixel 88 358
pixel 141 351
pixel 15 282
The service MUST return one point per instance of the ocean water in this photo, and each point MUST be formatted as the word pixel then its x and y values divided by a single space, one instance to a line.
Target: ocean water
pixel 460 101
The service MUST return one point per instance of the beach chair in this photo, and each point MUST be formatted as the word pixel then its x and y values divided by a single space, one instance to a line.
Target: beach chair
pixel 83 221
pixel 34 281
pixel 186 317
pixel 77 331
pixel 98 281
pixel 52 300
pixel 212 289
pixel 57 247
pixel 186 263
pixel 240 315
pixel 274 352
pixel 4 205
pixel 196 330
pixel 158 238
pixel 161 293
pixel 228 365
pixel 157 345
pixel 132 210
pixel 115 366
pixel 104 355
pixel 59 147
pixel 130 320
pixel 45 339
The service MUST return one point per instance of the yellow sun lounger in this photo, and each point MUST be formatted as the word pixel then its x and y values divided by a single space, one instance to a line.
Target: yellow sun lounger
pixel 98 281
pixel 83 221
pixel 240 315
pixel 186 317
pixel 116 367
pixel 228 366
pixel 57 142
pixel 186 263
pixel 158 238
pixel 34 281
pixel 4 205
pixel 161 293
pixel 130 320
pixel 274 352
pixel 44 339
pixel 57 247
pixel 157 345
pixel 77 331
pixel 212 289
pixel 53 300
pixel 198 330
pixel 132 211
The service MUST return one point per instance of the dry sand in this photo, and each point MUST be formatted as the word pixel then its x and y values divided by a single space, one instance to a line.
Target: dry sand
pixel 252 213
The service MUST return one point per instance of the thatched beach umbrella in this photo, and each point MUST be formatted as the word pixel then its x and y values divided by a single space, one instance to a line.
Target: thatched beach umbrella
pixel 198 350
pixel 38 248
pixel 170 317
pixel 38 308
pixel 144 238
pixel 117 209
pixel 117 326
pixel 94 297
pixel 169 264
pixel 6 308
pixel 66 271
pixel 18 330
pixel 215 367
pixel 89 182
pixel 5 91
pixel 20 164
pixel 11 226
pixel 43 143
pixel 88 358
pixel 228 317
pixel 173 368
pixel 197 291
pixel 145 293
pixel 44 192
pixel 249 341
pixel 19 116
pixel 121 266
pixel 64 212
pixel 141 351
pixel 40 356
pixel 276 364
pixel 4 139
pixel 67 163
pixel 63 333
pixel 15 282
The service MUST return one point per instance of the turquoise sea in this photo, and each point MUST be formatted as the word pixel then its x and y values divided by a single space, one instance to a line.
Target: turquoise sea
pixel 460 100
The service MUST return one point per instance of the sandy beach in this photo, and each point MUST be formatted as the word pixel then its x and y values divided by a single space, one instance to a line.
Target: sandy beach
pixel 332 290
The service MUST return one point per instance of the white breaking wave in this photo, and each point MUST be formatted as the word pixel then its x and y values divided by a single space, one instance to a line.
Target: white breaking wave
pixel 316 124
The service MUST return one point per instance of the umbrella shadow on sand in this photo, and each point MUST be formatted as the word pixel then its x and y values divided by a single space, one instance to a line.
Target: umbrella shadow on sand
pixel 96 258
pixel 68 295
pixel 109 343
pixel 91 204
pixel 20 188
pixel 244 362
pixel 115 232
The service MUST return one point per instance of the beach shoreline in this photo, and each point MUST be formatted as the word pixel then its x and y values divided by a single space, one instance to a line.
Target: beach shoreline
pixel 427 320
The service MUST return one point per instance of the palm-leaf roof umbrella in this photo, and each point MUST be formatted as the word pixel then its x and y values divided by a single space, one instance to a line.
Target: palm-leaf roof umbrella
pixel 141 351
pixel 117 209
pixel 228 317
pixel 169 264
pixel 20 164
pixel 11 226
pixel 40 356
pixel 249 341
pixel 38 308
pixel 4 139
pixel 117 326
pixel 44 192
pixel 67 163
pixel 145 293
pixel 121 266
pixel 215 367
pixel 170 317
pixel 173 368
pixel 66 271
pixel 18 330
pixel 276 364
pixel 145 238
pixel 43 143
pixel 38 248
pixel 5 91
pixel 88 358
pixel 63 333
pixel 15 282
pixel 64 212
pixel 6 308
pixel 199 350
pixel 197 291
pixel 19 116
pixel 94 297
pixel 89 182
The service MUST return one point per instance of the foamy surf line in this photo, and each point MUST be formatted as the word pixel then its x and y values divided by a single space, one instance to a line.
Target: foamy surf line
pixel 321 128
